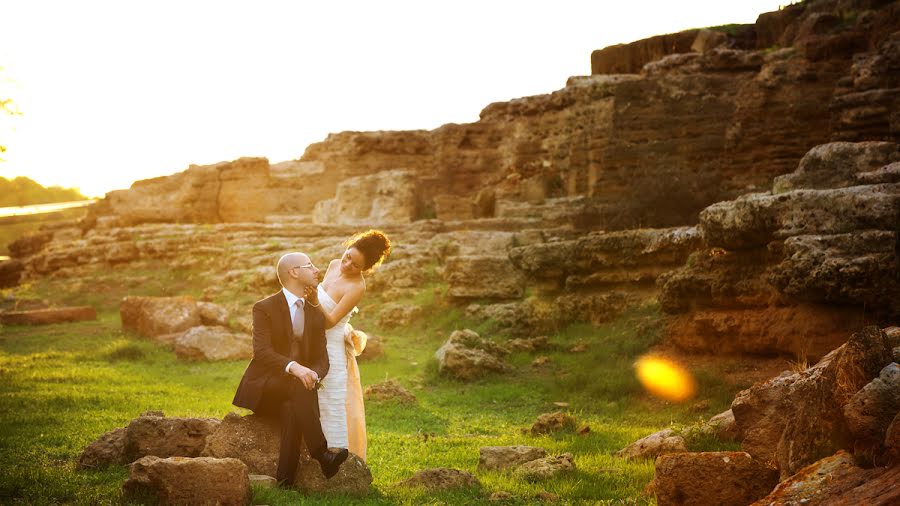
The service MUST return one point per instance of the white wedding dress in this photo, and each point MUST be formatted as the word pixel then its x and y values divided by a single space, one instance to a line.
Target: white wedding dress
pixel 333 395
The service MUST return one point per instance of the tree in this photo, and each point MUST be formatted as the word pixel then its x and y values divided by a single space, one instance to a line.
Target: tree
pixel 7 108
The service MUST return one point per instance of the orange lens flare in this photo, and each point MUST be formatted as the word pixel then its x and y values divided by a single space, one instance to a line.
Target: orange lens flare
pixel 665 379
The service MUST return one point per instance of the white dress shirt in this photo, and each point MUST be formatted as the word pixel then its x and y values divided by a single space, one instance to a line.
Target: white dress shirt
pixel 292 306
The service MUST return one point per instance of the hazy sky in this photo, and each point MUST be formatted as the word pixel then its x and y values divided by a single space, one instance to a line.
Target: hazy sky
pixel 111 92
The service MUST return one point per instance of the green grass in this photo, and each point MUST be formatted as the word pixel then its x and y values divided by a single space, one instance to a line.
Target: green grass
pixel 62 386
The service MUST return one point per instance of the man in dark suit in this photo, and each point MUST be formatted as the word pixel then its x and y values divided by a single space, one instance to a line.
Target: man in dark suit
pixel 289 360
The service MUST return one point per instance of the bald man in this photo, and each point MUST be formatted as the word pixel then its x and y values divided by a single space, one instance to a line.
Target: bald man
pixel 289 359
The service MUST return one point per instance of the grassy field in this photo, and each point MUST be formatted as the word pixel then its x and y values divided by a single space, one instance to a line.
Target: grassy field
pixel 62 386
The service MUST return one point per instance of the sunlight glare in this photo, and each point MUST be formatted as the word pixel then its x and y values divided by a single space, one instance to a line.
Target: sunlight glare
pixel 665 379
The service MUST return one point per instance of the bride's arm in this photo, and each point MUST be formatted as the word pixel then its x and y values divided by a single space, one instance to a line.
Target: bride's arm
pixel 347 303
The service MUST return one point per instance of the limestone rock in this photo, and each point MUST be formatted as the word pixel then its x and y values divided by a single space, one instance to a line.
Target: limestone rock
pixel 629 58
pixel 393 315
pixel 48 316
pixel 795 419
pixel 261 480
pixel 505 457
pixel 487 276
pixel 255 441
pixel 500 496
pixel 213 343
pixel 394 274
pixel 30 243
pixel 724 426
pixel 471 243
pixel 553 422
pixel 892 439
pixel 754 220
pixel 707 40
pixel 167 437
pixel 155 316
pixel 212 314
pixel 871 409
pixel 854 268
pixel 837 480
pixel 181 480
pixel 546 467
pixel 654 445
pixel 448 207
pixel 836 164
pixel 10 272
pixel 107 450
pixel 122 252
pixel 388 390
pixel 607 259
pixel 374 348
pixel 382 198
pixel 530 344
pixel 224 192
pixel 467 356
pixel 685 478
pixel 441 478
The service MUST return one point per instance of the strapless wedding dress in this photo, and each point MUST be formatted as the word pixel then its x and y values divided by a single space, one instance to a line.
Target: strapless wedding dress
pixel 333 395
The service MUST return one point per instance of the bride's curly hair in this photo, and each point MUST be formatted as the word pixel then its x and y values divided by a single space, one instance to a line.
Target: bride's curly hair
pixel 373 244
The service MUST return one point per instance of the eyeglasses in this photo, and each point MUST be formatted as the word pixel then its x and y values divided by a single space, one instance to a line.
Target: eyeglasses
pixel 307 266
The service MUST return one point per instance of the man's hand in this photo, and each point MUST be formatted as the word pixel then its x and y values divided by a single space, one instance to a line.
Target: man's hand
pixel 306 375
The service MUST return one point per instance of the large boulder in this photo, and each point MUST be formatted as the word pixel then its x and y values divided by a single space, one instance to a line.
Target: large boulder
pixel 467 356
pixel 213 343
pixel 837 480
pixel 686 478
pixel 161 436
pixel 157 316
pixel 181 480
pixel 255 441
pixel 492 458
pixel 795 419
pixel 484 276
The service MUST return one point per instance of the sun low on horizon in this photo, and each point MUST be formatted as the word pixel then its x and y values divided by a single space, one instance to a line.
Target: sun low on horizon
pixel 106 93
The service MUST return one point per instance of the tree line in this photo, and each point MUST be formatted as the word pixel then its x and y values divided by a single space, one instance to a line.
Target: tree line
pixel 23 191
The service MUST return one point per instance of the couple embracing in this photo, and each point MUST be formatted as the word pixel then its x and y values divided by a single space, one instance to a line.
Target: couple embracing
pixel 303 372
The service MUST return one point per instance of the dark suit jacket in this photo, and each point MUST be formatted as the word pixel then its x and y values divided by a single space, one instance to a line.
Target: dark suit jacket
pixel 272 334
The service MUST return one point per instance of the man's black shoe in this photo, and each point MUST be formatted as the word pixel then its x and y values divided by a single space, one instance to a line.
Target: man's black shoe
pixel 331 461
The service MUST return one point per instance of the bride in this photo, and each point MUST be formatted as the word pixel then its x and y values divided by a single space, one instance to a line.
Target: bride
pixel 340 398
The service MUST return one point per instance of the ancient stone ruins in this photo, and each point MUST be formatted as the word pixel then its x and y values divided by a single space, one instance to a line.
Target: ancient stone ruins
pixel 747 177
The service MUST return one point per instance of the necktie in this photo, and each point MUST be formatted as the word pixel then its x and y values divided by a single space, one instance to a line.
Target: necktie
pixel 298 319
pixel 298 330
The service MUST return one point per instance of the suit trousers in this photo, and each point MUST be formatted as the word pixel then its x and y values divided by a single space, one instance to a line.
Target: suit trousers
pixel 297 409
